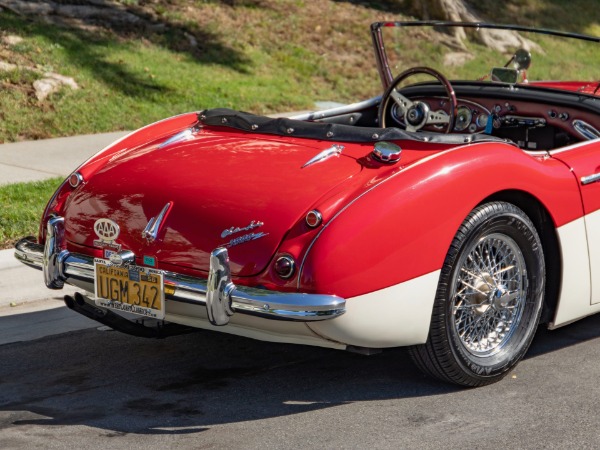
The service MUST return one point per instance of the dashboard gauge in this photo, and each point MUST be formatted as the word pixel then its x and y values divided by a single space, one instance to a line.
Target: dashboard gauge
pixel 482 120
pixel 463 118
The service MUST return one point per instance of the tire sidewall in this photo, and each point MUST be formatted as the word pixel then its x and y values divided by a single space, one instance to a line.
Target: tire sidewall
pixel 512 222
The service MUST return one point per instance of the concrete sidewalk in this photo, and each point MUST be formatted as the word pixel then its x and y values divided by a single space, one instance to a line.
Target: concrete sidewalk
pixel 48 158
pixel 34 161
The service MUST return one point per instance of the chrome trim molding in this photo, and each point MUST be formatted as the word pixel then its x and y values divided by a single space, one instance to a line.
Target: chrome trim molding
pixel 586 130
pixel 334 150
pixel 151 231
pixel 54 253
pixel 182 136
pixel 219 295
pixel 590 179
pixel 220 287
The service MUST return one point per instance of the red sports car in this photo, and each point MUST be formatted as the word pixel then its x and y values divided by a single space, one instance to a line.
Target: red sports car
pixel 448 215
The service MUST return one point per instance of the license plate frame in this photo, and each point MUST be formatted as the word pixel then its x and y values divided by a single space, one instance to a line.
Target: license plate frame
pixel 142 288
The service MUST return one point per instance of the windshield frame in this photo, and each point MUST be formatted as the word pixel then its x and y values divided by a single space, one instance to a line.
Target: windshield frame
pixel 383 65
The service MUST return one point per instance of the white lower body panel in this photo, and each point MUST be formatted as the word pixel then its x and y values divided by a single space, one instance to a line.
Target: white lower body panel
pixel 574 301
pixel 395 316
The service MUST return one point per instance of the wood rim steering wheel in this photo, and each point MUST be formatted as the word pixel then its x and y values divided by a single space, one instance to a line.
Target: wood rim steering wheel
pixel 417 114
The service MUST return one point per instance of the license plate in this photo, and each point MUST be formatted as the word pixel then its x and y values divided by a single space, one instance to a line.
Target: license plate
pixel 133 289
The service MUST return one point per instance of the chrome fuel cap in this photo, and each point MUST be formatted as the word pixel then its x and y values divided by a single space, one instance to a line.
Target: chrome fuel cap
pixel 387 152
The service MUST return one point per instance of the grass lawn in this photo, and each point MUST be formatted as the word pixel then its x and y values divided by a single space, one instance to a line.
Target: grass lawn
pixel 280 60
pixel 21 208
pixel 261 56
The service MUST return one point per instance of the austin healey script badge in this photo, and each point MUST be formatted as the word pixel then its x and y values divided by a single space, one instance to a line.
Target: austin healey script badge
pixel 245 237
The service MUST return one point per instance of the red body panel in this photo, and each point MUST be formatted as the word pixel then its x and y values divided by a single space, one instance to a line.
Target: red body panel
pixel 382 224
pixel 216 181
pixel 425 206
pixel 575 86
pixel 585 161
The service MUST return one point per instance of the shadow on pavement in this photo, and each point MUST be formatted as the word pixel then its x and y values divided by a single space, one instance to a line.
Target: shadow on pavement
pixel 187 384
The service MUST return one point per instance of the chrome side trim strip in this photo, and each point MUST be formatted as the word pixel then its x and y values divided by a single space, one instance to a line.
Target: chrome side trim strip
pixel 78 270
pixel 590 179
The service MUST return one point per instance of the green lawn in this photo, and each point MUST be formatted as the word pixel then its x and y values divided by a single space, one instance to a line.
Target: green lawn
pixel 261 56
pixel 21 208
pixel 132 77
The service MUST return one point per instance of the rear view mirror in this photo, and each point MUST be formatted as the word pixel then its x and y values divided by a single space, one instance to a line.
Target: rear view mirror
pixel 504 75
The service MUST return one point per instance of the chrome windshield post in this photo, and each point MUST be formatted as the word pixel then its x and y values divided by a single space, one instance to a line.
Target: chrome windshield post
pixel 54 253
pixel 219 288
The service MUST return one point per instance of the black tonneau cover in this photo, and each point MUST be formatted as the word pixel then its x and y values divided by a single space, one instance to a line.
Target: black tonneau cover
pixel 330 131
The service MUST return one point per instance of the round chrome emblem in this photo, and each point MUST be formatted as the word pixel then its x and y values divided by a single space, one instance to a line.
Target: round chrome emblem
pixel 106 230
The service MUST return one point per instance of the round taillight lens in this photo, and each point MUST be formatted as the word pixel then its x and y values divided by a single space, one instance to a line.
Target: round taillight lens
pixel 75 179
pixel 313 218
pixel 285 266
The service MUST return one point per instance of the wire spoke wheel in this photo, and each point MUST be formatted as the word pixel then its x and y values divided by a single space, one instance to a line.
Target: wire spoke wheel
pixel 489 298
pixel 489 293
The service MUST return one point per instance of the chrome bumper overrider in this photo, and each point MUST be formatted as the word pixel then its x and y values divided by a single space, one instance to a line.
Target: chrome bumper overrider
pixel 219 295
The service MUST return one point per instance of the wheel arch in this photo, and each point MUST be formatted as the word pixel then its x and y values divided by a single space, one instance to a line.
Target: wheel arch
pixel 539 214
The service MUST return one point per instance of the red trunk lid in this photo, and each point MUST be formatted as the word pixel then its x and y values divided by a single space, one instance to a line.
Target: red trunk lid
pixel 216 182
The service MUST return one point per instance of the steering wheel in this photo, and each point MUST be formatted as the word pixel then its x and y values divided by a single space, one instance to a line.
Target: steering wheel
pixel 418 114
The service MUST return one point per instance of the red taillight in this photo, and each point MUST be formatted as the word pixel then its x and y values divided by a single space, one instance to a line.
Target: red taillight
pixel 285 266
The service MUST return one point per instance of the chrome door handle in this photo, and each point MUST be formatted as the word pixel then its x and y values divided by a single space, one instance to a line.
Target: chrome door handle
pixel 590 179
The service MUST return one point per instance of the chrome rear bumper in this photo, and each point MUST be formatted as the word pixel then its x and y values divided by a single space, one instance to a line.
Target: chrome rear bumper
pixel 218 294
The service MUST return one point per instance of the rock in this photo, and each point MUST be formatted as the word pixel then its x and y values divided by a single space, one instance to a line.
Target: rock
pixel 7 67
pixel 45 87
pixel 67 81
pixel 454 59
pixel 11 39
pixel 51 84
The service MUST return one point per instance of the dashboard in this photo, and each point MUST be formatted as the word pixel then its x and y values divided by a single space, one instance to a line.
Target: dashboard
pixel 532 126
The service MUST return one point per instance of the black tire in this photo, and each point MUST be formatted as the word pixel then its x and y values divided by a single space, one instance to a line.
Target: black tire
pixel 489 298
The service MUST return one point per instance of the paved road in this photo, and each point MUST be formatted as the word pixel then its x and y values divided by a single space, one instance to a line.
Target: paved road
pixel 100 389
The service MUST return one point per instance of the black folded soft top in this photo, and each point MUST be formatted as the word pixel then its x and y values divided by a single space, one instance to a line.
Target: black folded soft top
pixel 329 131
